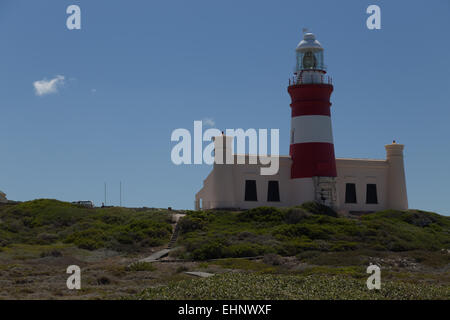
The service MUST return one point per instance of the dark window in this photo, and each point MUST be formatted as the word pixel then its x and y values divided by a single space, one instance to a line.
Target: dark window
pixel 350 193
pixel 273 193
pixel 250 190
pixel 371 193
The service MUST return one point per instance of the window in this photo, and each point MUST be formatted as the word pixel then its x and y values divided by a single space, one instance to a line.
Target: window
pixel 250 190
pixel 371 194
pixel 273 192
pixel 350 193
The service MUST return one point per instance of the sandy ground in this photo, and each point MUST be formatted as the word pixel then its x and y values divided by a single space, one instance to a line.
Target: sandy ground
pixel 104 275
pixel 26 274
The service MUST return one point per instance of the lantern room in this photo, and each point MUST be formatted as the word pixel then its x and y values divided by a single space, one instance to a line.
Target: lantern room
pixel 309 54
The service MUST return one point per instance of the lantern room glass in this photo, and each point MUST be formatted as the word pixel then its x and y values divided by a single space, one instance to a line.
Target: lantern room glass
pixel 310 60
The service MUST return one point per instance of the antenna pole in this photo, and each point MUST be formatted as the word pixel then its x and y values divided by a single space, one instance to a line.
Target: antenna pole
pixel 121 193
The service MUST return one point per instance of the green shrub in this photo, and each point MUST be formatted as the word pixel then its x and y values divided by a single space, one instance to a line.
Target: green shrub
pixel 89 244
pixel 295 215
pixel 192 223
pixel 209 250
pixel 51 253
pixel 46 238
pixel 311 227
pixel 48 222
pixel 273 259
pixel 262 214
pixel 318 208
pixel 244 250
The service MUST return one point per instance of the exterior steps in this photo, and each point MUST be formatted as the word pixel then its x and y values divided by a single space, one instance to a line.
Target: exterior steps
pixel 174 237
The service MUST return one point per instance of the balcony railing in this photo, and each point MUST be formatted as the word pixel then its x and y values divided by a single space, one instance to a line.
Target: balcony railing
pixel 311 79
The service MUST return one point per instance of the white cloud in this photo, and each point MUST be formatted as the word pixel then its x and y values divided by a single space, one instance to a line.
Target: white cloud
pixel 43 87
pixel 209 122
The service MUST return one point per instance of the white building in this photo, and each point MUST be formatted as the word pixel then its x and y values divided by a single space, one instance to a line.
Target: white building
pixel 311 172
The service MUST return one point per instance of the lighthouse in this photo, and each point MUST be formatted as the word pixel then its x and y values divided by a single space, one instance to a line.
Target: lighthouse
pixel 313 166
pixel 310 172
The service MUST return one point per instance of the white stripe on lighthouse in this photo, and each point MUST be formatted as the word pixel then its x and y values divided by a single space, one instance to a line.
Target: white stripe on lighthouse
pixel 311 129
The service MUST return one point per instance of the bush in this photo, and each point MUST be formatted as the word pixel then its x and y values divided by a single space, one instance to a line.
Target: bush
pixel 344 246
pixel 51 253
pixel 262 214
pixel 48 222
pixel 420 219
pixel 295 215
pixel 191 223
pixel 209 250
pixel 241 250
pixel 318 208
pixel 89 244
pixel 311 227
pixel 47 238
pixel 273 259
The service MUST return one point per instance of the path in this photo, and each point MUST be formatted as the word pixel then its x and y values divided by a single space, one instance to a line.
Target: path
pixel 164 252
pixel 200 274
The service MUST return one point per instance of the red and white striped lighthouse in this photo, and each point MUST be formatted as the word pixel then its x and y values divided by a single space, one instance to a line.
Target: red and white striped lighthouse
pixel 311 146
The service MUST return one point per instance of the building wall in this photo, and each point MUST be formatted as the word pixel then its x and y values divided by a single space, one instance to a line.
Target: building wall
pixel 243 172
pixel 3 198
pixel 362 172
pixel 225 185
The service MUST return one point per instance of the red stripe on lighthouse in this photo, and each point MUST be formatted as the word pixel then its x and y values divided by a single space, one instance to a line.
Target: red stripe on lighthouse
pixel 310 99
pixel 309 108
pixel 312 159
pixel 312 149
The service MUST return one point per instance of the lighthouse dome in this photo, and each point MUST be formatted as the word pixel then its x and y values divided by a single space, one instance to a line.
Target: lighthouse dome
pixel 309 53
pixel 309 43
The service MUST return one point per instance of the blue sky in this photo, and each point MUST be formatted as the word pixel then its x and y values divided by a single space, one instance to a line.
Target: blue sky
pixel 140 69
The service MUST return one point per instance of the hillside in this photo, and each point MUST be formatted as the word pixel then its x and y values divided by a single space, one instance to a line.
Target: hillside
pixel 309 228
pixel 47 222
pixel 307 252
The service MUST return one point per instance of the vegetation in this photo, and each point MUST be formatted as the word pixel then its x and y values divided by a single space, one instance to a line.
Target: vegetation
pixel 141 266
pixel 305 252
pixel 244 264
pixel 310 227
pixel 257 286
pixel 46 222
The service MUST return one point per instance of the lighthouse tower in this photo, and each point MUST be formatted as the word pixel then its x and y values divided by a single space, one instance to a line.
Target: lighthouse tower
pixel 311 147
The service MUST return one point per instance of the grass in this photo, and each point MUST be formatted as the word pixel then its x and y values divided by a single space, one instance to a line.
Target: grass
pixel 141 266
pixel 230 286
pixel 243 264
pixel 51 222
